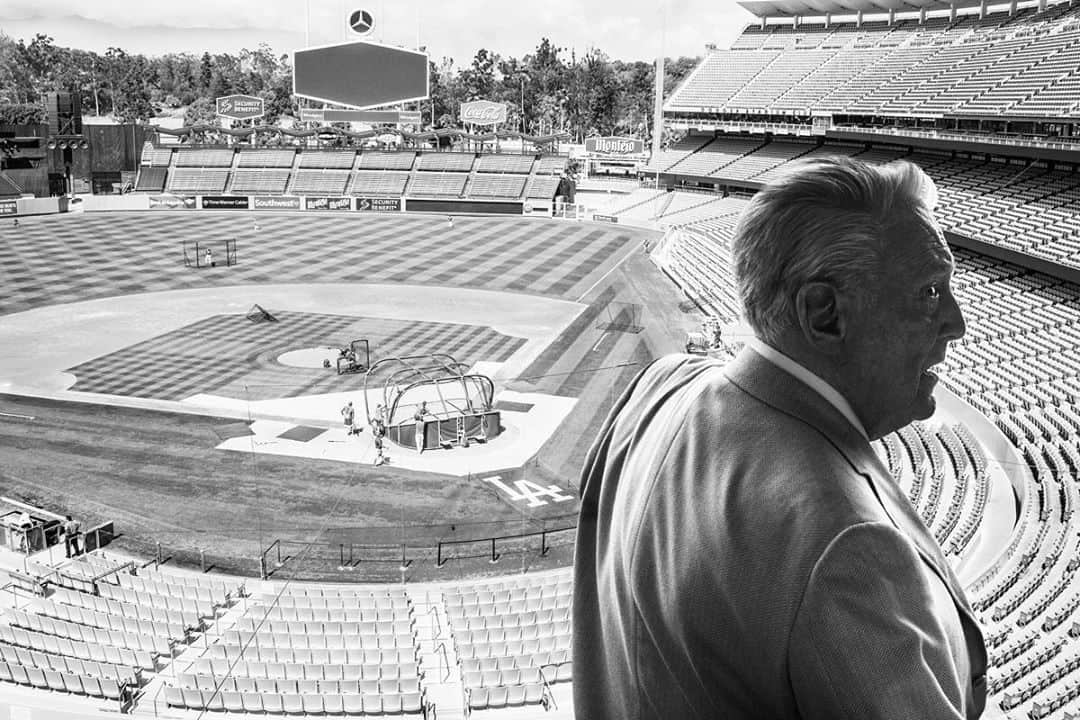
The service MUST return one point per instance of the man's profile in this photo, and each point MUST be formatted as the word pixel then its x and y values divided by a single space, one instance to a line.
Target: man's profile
pixel 742 552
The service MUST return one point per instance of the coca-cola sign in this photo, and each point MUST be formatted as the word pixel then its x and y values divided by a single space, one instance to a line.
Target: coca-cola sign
pixel 483 112
pixel 614 146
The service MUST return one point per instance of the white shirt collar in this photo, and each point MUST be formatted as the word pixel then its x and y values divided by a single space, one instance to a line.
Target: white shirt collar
pixel 815 382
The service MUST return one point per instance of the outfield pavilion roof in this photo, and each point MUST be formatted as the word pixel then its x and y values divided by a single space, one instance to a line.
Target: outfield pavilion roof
pixel 820 8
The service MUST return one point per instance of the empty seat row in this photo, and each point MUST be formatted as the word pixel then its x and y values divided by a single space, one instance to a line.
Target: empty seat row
pixel 336 602
pixel 294 703
pixel 187 620
pixel 562 672
pixel 318 642
pixel 82 650
pixel 387 627
pixel 543 633
pixel 50 661
pixel 108 621
pixel 63 682
pixel 512 607
pixel 508 620
pixel 297 671
pixel 483 698
pixel 337 656
pixel 292 614
pixel 514 662
pixel 264 685
pixel 85 633
pixel 199 608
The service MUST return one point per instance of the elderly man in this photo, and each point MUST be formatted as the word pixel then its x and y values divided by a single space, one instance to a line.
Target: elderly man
pixel 742 552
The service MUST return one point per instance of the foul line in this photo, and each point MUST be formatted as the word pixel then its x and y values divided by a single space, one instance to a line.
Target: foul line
pixel 603 277
pixel 29 418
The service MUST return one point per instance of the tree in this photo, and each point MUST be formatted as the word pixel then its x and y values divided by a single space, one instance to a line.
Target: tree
pixel 478 80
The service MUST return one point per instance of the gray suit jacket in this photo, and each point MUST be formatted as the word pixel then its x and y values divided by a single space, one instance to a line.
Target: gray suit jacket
pixel 743 553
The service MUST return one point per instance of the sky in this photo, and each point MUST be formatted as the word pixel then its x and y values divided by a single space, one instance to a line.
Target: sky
pixel 623 29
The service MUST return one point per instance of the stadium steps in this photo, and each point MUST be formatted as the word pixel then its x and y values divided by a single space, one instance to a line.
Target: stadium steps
pixel 438 658
pixel 467 190
pixel 665 203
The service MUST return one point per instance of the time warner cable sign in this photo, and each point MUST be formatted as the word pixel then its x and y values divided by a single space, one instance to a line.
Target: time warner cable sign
pixel 240 107
pixel 483 112
pixel 614 146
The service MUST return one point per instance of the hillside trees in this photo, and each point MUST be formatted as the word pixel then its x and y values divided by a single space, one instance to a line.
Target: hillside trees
pixel 547 90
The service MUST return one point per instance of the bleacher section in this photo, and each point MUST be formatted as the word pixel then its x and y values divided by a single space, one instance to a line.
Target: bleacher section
pixel 387 160
pixel 269 182
pixel 198 180
pixel 1021 205
pixel 505 164
pixel 203 158
pixel 331 160
pixel 445 162
pixel 319 182
pixel 437 184
pixel 1021 66
pixel 507 187
pixel 260 158
pixel 151 179
pixel 375 182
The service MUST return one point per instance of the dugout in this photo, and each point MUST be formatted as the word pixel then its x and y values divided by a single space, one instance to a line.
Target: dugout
pixel 458 405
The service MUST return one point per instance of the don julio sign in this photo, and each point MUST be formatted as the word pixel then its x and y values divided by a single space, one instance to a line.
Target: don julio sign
pixel 614 146
pixel 483 112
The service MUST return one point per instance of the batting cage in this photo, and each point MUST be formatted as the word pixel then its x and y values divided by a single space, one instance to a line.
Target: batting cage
pixel 432 401
pixel 209 253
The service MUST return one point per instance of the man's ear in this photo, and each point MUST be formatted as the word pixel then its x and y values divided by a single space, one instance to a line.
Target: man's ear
pixel 821 314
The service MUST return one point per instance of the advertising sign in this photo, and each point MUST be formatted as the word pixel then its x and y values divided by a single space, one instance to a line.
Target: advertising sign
pixel 483 112
pixel 328 203
pixel 240 107
pixel 378 204
pixel 614 146
pixel 275 202
pixel 225 202
pixel 605 218
pixel 9 207
pixel 171 202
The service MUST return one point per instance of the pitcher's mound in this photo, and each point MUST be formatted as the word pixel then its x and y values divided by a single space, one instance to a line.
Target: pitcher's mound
pixel 309 357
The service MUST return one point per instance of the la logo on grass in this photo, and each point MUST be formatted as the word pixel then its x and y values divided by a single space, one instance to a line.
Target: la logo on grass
pixel 529 492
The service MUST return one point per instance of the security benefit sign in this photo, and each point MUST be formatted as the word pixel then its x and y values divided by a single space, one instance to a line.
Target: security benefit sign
pixel 240 107
pixel 614 146
pixel 378 204
pixel 327 203
pixel 483 112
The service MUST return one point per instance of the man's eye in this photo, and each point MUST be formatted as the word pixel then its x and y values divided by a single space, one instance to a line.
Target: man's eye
pixel 932 292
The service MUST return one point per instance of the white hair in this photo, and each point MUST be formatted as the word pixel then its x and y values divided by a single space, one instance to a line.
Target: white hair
pixel 828 219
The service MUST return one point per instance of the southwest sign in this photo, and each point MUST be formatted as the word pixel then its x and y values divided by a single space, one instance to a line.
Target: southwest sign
pixel 614 146
pixel 360 75
pixel 240 107
pixel 483 112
